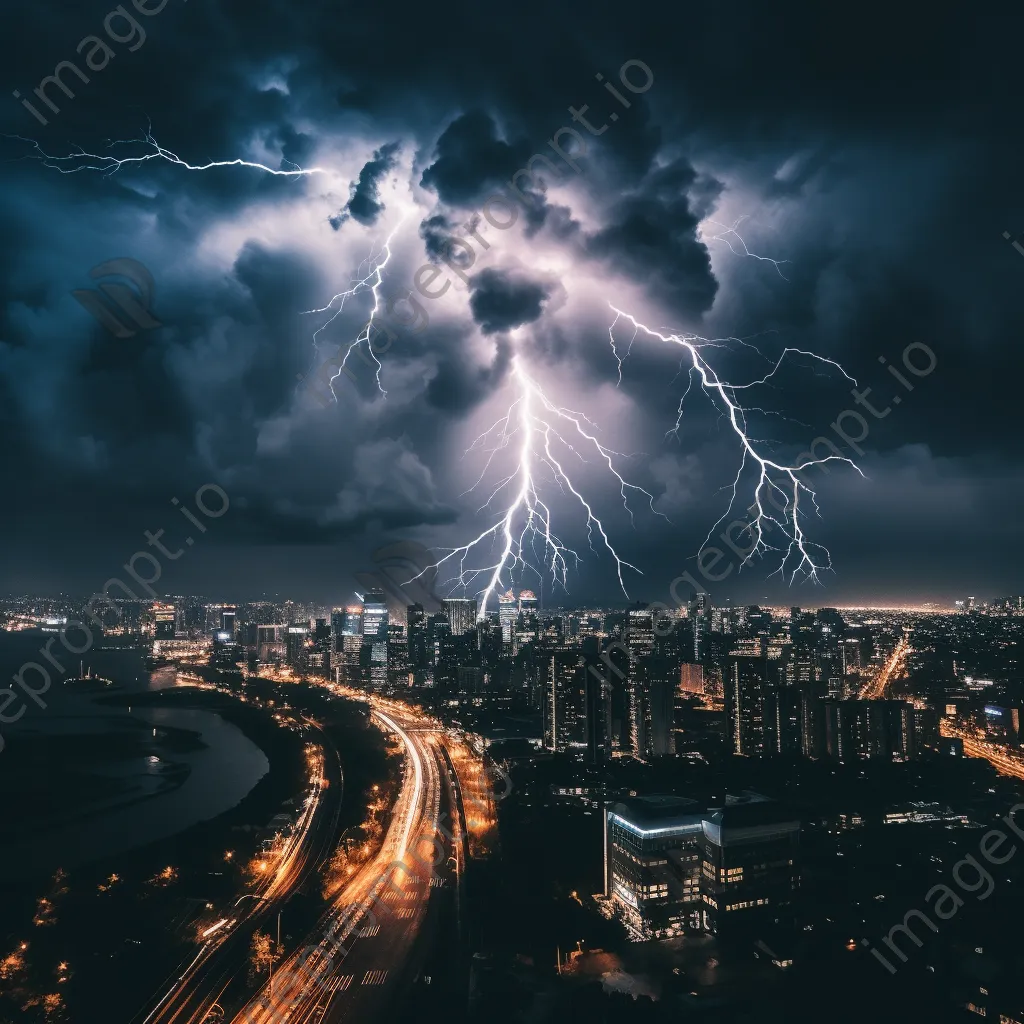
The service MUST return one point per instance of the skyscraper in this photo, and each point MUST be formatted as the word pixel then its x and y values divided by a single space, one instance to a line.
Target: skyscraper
pixel 461 612
pixel 700 614
pixel 508 611
pixel 375 637
pixel 416 625
pixel 165 618
pixel 691 679
pixel 750 871
pixel 746 693
pixel 565 711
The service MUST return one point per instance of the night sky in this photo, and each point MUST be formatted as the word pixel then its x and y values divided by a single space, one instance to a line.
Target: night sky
pixel 872 153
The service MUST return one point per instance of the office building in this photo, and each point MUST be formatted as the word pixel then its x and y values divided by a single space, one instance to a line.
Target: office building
pixel 691 680
pixel 671 866
pixel 398 656
pixel 652 863
pixel 750 870
pixel 871 729
pixel 270 646
pixel 296 641
pixel 564 687
pixel 348 647
pixel 700 616
pixel 461 612
pixel 165 621
pixel 226 654
pixel 416 636
pixel 746 697
pixel 374 655
pixel 508 612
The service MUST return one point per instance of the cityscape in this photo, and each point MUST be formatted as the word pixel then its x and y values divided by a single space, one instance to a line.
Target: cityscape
pixel 512 515
pixel 723 808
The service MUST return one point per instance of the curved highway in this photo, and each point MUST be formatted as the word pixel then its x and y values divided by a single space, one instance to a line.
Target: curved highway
pixel 364 957
pixel 192 995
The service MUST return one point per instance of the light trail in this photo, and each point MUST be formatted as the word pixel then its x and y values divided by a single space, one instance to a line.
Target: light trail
pixel 548 435
pixel 777 481
pixel 892 668
pixel 417 793
pixel 309 980
pixel 1004 760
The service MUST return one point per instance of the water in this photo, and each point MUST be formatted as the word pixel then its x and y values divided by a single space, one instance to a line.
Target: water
pixel 117 778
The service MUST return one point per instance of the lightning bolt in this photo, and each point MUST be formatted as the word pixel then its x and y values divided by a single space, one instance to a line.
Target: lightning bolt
pixel 729 235
pixel 775 479
pixel 108 164
pixel 371 282
pixel 543 437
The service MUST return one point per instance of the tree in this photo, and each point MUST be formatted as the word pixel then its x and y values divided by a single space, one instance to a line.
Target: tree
pixel 261 956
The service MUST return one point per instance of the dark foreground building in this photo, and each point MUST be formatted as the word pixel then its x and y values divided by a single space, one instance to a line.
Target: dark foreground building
pixel 671 866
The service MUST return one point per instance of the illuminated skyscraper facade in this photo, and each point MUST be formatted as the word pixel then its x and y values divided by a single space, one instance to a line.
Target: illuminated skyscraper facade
pixel 375 638
pixel 461 612
pixel 508 612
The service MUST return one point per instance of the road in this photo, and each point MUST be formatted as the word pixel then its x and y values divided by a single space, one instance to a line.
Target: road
pixel 890 671
pixel 368 952
pixel 1000 757
pixel 194 991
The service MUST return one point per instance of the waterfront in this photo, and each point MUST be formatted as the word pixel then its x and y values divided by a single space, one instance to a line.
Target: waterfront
pixel 135 775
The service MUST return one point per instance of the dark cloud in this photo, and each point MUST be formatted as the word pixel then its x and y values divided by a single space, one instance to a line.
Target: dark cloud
pixel 652 236
pixel 471 160
pixel 875 154
pixel 503 299
pixel 364 203
pixel 458 386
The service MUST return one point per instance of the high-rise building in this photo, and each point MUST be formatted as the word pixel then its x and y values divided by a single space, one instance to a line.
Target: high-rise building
pixel 746 695
pixel 508 612
pixel 296 640
pixel 319 657
pixel 640 632
pixel 670 866
pixel 652 863
pixel 348 644
pixel 228 617
pixel 461 612
pixel 375 638
pixel 871 729
pixel 226 654
pixel 416 627
pixel 565 710
pixel 691 679
pixel 700 616
pixel 528 603
pixel 750 864
pixel 165 620
pixel 398 656
pixel 270 645
pixel 375 614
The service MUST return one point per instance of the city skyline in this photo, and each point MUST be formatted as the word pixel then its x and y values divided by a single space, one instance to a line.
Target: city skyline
pixel 511 513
